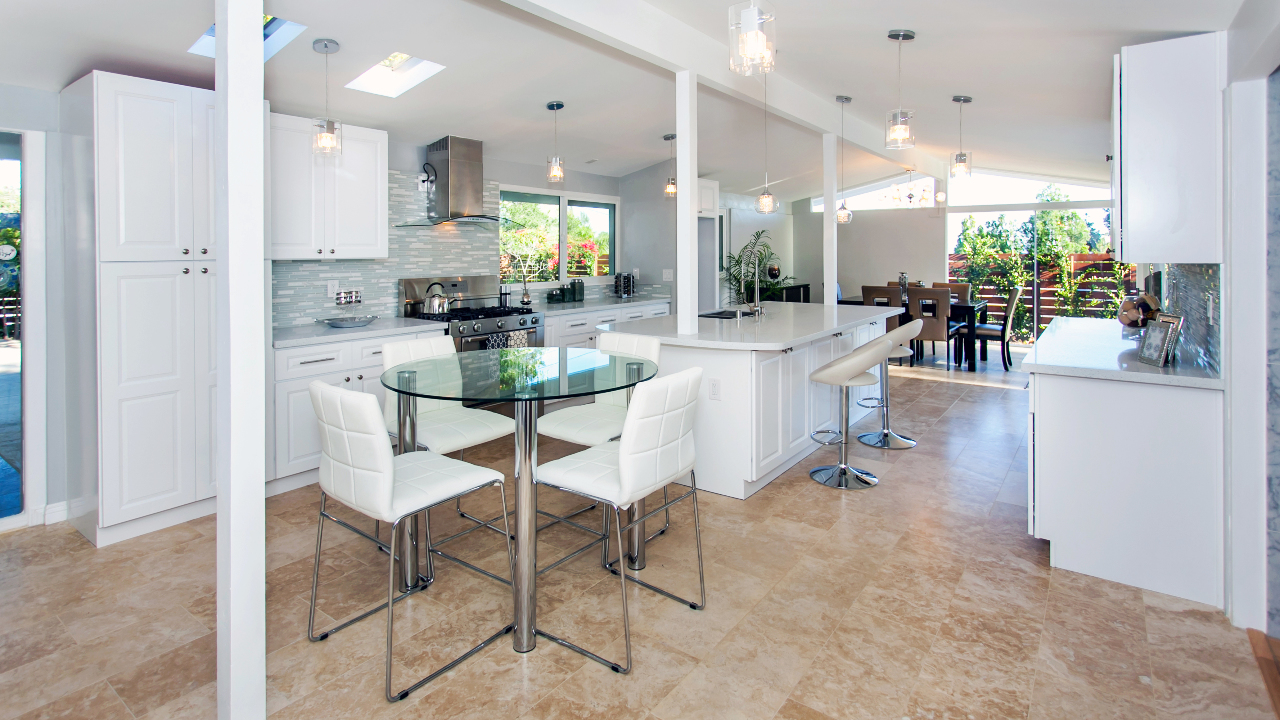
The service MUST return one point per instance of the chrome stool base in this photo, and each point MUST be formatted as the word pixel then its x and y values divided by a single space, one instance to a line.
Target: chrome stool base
pixel 843 477
pixel 886 439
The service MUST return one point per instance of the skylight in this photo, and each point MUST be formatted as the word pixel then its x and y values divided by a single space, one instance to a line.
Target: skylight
pixel 395 75
pixel 276 33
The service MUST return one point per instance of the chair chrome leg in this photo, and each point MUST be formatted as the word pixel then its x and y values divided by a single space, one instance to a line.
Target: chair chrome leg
pixel 843 476
pixel 885 438
pixel 315 575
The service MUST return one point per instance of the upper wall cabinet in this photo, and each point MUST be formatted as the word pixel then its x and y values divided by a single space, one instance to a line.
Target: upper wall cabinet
pixel 1170 134
pixel 322 207
pixel 144 147
pixel 708 197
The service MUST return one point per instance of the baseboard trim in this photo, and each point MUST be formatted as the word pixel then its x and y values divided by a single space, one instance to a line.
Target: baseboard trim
pixel 55 513
pixel 292 482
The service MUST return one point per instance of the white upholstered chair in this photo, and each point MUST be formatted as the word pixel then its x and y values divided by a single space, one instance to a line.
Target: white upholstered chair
pixel 600 421
pixel 358 470
pixel 655 450
pixel 444 426
pixel 852 370
pixel 886 438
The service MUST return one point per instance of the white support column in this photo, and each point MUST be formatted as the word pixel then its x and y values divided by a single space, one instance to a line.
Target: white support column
pixel 686 202
pixel 241 364
pixel 830 146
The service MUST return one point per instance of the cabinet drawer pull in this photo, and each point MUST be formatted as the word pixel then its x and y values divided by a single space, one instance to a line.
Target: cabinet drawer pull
pixel 577 324
pixel 612 319
pixel 186 251
pixel 312 362
pixel 321 252
pixel 633 316
pixel 331 251
pixel 204 251
pixel 376 352
pixel 186 271
pixel 204 270
pixel 839 334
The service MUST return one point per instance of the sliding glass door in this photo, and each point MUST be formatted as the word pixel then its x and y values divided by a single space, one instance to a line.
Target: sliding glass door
pixel 10 324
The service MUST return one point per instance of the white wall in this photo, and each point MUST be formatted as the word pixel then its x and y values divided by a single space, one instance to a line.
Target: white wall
pixel 878 244
pixel 647 225
pixel 806 247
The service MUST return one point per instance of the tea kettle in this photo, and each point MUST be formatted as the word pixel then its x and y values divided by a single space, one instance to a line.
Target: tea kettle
pixel 437 304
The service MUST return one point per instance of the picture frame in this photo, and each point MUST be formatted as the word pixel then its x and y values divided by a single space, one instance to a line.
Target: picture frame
pixel 1152 348
pixel 1171 338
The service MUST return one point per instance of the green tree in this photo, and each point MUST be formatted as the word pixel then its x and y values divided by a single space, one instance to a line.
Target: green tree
pixel 529 244
pixel 586 246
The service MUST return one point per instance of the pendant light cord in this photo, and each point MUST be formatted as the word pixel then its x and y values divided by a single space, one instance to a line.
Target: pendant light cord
pixel 899 74
pixel 765 82
pixel 961 127
pixel 840 149
pixel 326 84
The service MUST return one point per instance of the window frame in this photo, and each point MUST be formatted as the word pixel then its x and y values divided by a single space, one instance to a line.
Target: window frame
pixel 615 240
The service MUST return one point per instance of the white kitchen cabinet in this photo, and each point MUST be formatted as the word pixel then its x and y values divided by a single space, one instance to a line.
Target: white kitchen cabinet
pixel 327 207
pixel 148 387
pixel 143 151
pixel 769 372
pixel 1171 139
pixel 708 198
pixel 369 380
pixel 796 396
pixel 205 354
pixel 203 166
pixel 823 407
pixel 297 432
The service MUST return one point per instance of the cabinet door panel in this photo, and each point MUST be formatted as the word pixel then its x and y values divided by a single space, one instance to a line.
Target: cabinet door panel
pixel 358 223
pixel 369 380
pixel 203 112
pixel 769 374
pixel 297 191
pixel 148 388
pixel 144 155
pixel 797 398
pixel 206 378
pixel 297 432
pixel 822 396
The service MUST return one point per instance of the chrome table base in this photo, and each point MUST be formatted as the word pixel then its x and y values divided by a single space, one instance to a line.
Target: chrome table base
pixel 843 477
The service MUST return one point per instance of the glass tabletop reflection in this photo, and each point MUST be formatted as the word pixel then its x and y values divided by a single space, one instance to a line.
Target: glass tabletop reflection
pixel 510 374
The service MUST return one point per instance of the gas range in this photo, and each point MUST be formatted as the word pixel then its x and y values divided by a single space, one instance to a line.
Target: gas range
pixel 478 314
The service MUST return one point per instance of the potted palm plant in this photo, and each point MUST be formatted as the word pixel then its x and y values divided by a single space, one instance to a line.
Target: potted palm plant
pixel 738 270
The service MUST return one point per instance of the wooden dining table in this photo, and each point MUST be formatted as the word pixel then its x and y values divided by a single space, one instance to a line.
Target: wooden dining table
pixel 972 315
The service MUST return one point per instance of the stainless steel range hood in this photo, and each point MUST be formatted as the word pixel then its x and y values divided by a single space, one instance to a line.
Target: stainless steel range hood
pixel 455 183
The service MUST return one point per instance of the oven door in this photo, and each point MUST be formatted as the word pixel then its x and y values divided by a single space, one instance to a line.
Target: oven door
pixel 477 342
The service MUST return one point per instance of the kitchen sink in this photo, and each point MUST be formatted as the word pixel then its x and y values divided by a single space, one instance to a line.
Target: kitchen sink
pixel 723 314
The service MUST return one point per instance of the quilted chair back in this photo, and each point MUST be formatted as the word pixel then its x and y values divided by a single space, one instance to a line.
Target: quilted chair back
pixel 648 348
pixel 398 353
pixel 355 454
pixel 657 437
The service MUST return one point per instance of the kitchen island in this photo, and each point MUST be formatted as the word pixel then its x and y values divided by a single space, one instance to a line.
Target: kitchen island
pixel 1125 466
pixel 757 405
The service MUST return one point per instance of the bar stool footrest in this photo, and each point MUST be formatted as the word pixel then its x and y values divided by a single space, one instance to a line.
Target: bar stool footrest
pixel 839 437
pixel 871 403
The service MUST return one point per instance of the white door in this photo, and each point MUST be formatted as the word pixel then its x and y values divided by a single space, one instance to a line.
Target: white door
pixel 769 372
pixel 297 213
pixel 357 206
pixel 206 377
pixel 297 432
pixel 147 389
pixel 797 399
pixel 369 380
pixel 144 155
pixel 822 403
pixel 202 172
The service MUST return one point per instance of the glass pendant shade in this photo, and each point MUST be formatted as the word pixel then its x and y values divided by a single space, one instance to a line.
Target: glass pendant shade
pixel 751 38
pixel 961 164
pixel 940 197
pixel 555 171
pixel 843 214
pixel 898 134
pixel 327 136
pixel 766 204
pixel 670 189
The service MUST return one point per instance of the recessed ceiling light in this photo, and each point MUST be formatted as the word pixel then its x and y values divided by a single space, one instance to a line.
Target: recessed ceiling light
pixel 276 33
pixel 393 76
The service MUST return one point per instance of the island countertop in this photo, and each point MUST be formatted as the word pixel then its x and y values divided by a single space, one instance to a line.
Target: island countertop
pixel 1106 350
pixel 784 325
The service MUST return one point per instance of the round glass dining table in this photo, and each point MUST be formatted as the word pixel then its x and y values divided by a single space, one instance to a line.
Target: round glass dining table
pixel 523 376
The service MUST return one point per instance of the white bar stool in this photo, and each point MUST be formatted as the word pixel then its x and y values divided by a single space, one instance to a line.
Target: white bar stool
pixel 655 450
pixel 884 437
pixel 358 470
pixel 846 372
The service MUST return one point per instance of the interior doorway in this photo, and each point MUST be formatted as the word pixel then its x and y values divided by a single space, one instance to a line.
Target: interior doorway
pixel 11 191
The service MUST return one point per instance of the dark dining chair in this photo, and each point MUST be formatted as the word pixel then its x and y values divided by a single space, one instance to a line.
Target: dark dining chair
pixel 1002 332
pixel 933 306
pixel 883 296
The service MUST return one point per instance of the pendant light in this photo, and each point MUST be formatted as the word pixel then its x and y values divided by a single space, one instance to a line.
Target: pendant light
pixel 961 161
pixel 843 214
pixel 326 132
pixel 670 189
pixel 555 171
pixel 751 38
pixel 765 202
pixel 898 135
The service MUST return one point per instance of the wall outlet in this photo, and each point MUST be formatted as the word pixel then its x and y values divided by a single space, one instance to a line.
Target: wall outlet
pixel 668 275
pixel 635 275
pixel 332 287
pixel 713 389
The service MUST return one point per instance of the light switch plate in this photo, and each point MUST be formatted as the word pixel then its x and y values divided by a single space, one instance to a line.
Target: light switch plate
pixel 332 288
pixel 668 275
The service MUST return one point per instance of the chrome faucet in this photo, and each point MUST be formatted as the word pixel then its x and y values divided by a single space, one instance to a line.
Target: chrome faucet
pixel 756 309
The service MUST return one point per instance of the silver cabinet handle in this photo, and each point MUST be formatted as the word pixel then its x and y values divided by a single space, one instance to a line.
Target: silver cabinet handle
pixel 186 271
pixel 359 377
pixel 376 352
pixel 321 252
pixel 346 379
pixel 612 319
pixel 331 250
pixel 312 362
pixel 578 324
pixel 204 251
pixel 186 251
pixel 787 350
pixel 204 270
pixel 839 334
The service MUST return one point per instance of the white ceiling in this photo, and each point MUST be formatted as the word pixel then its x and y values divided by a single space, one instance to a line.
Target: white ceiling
pixel 1039 73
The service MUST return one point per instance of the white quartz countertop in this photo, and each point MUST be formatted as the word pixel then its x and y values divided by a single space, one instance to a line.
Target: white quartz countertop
pixel 552 309
pixel 319 333
pixel 784 325
pixel 1106 350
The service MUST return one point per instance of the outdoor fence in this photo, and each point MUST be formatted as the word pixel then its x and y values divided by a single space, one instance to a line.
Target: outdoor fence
pixel 1094 288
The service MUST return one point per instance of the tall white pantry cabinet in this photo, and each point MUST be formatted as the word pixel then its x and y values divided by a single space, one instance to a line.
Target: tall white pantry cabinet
pixel 137 275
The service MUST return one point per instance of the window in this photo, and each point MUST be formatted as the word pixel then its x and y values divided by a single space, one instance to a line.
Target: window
pixel 903 191
pixel 552 238
pixel 989 188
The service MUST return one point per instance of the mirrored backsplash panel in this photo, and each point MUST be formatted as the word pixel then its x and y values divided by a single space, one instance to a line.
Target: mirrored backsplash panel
pixel 1194 292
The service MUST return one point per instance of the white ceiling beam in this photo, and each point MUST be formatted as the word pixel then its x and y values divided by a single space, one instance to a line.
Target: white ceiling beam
pixel 643 31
